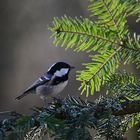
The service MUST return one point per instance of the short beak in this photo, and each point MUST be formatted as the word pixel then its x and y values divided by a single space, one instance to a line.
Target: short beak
pixel 72 67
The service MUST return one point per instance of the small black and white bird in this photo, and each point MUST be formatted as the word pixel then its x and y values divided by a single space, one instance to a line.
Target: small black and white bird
pixel 50 83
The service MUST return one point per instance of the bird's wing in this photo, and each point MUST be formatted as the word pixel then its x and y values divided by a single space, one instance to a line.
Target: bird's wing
pixel 42 80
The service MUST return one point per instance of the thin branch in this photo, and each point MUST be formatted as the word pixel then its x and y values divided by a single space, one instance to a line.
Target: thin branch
pixel 112 17
pixel 121 44
pixel 105 62
pixel 90 35
pixel 128 107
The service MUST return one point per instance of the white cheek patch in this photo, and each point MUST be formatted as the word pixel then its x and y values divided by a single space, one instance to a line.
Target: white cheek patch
pixel 61 72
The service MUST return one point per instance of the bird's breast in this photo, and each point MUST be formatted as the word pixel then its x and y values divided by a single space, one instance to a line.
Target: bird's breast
pixel 51 90
pixel 58 88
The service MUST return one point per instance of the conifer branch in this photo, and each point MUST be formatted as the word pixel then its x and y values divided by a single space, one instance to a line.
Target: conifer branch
pixel 72 118
pixel 111 15
pixel 105 62
pixel 128 107
pixel 87 34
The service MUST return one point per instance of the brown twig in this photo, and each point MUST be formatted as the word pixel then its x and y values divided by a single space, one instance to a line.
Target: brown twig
pixel 128 107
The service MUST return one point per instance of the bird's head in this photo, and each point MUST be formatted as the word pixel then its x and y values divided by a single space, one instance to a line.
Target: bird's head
pixel 60 69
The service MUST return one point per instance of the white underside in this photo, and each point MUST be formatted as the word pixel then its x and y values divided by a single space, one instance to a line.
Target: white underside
pixel 47 90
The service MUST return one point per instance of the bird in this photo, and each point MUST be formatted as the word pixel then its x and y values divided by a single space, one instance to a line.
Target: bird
pixel 51 82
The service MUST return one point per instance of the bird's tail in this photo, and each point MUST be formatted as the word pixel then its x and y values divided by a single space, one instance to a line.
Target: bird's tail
pixel 22 95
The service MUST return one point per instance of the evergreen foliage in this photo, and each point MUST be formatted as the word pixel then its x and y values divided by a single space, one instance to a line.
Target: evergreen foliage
pixel 109 37
pixel 109 44
pixel 125 85
pixel 72 119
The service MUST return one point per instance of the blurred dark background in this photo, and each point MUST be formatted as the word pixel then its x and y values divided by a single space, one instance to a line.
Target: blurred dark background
pixel 26 51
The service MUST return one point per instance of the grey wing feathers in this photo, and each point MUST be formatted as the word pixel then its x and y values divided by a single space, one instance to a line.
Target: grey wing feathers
pixel 43 79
